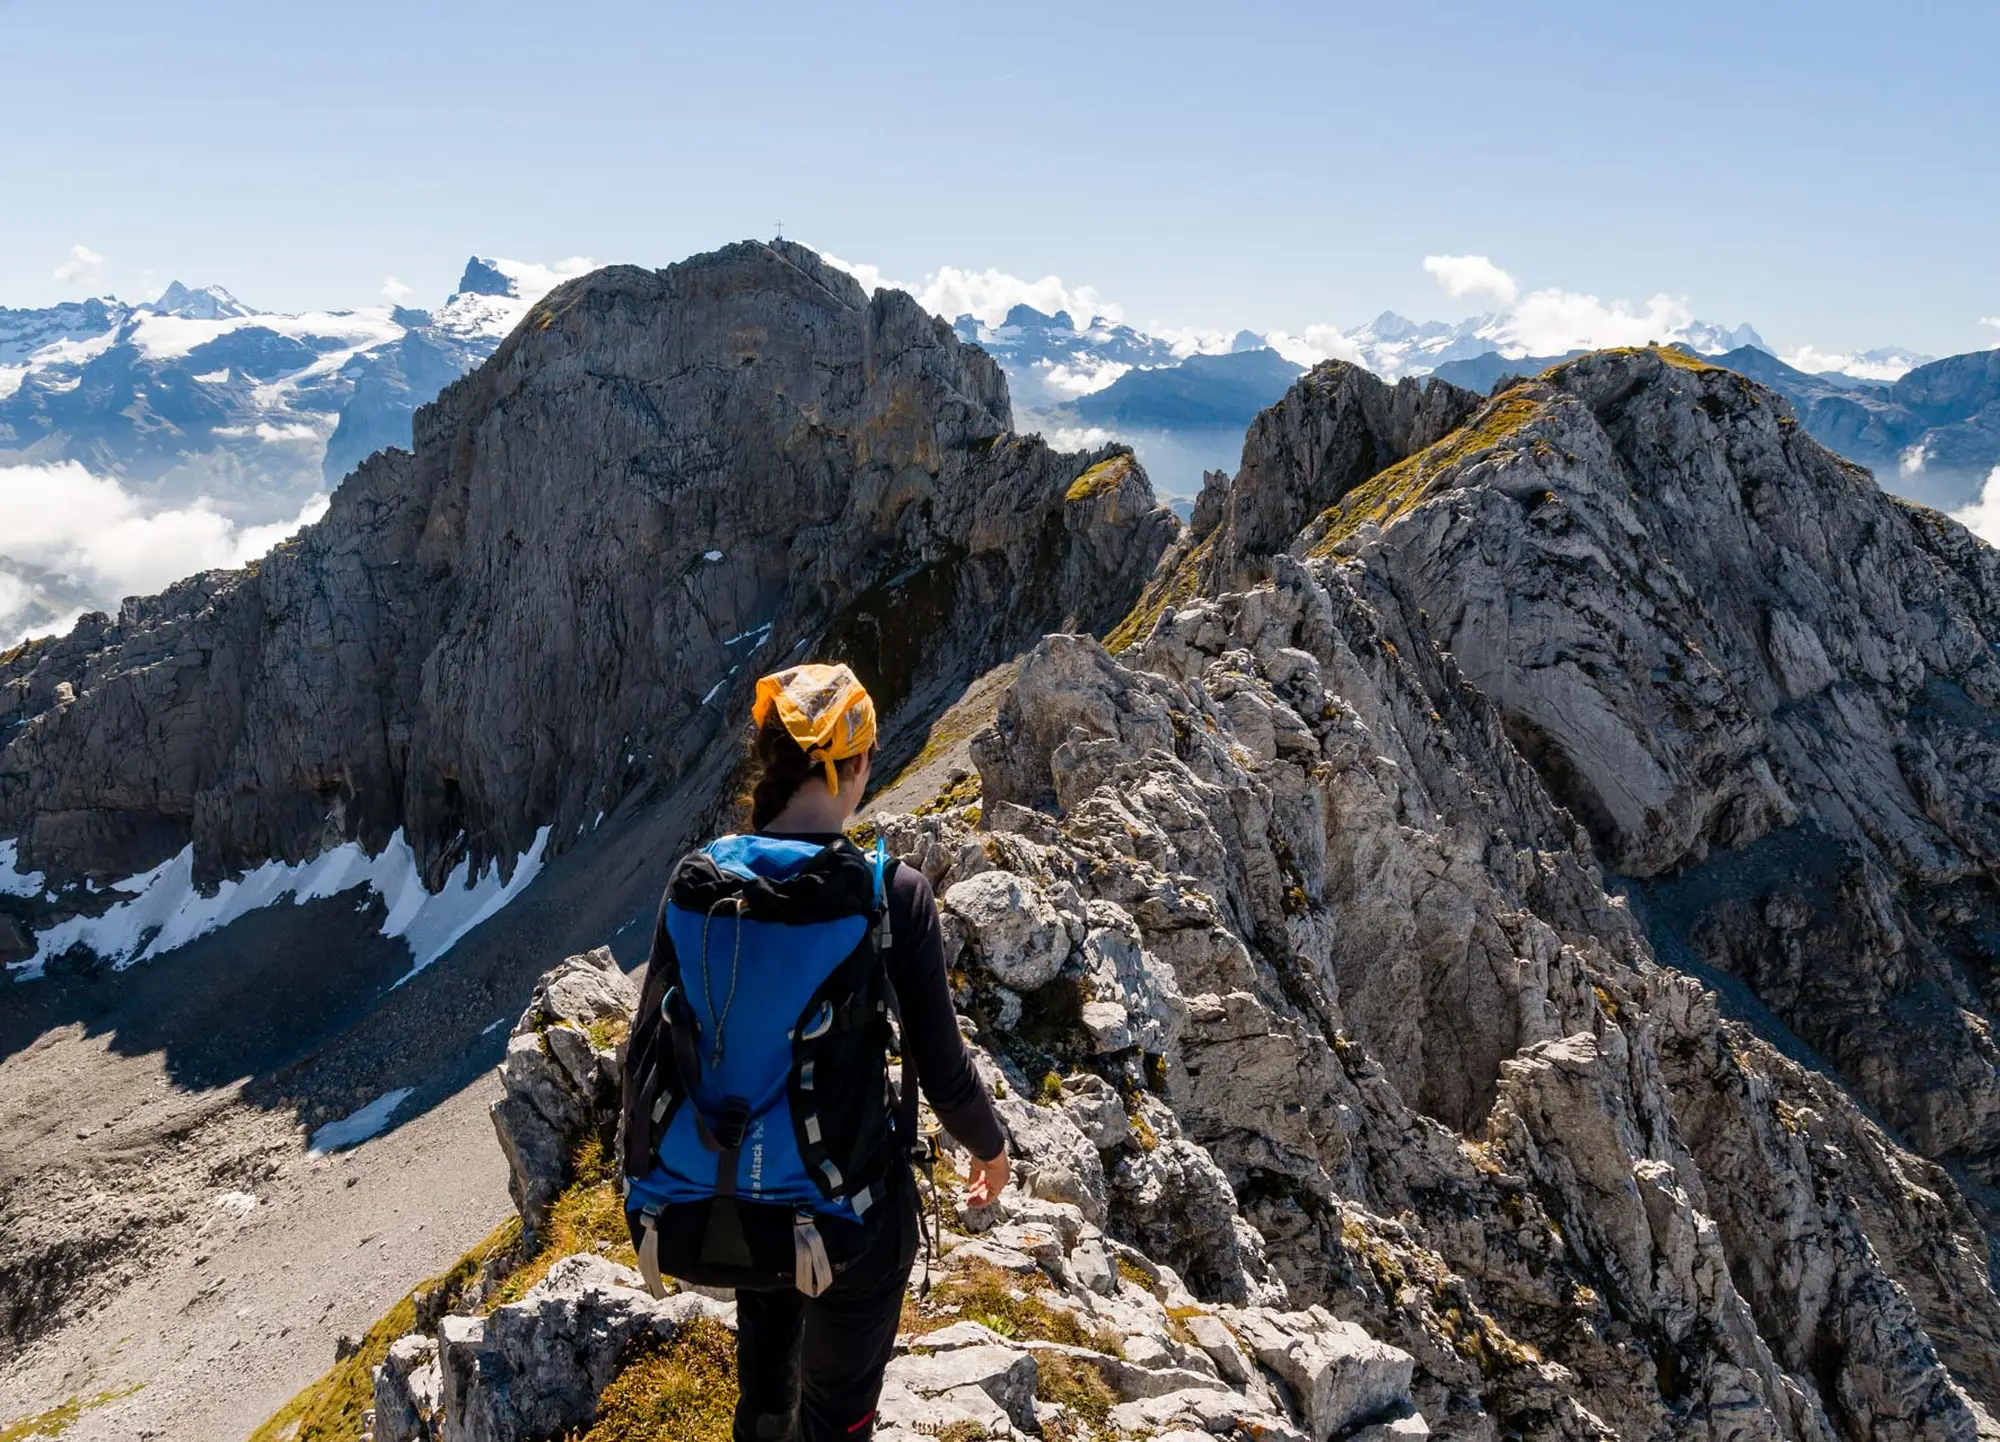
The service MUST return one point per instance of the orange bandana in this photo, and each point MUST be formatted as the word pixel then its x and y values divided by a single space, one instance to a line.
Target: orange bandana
pixel 823 708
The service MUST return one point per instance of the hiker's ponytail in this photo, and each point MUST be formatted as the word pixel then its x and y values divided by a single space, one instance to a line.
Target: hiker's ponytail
pixel 778 768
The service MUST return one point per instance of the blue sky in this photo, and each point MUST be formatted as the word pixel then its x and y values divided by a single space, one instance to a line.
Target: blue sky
pixel 1829 172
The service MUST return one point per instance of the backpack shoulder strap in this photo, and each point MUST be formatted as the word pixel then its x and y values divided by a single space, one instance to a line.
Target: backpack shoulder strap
pixel 905 1115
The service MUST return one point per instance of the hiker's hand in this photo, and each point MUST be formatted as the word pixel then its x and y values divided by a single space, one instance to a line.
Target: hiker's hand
pixel 986 1180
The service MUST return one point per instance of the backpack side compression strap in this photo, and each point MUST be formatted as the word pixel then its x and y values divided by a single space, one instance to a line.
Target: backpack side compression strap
pixel 904 1131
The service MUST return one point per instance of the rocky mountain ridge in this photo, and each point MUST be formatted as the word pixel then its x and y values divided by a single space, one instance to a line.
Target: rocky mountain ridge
pixel 1510 902
pixel 1306 998
pixel 1933 434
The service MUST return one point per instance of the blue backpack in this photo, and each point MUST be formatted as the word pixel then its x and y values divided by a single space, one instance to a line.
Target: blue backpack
pixel 774 1132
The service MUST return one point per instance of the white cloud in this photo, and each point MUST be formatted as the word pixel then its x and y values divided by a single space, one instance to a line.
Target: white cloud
pixel 990 294
pixel 1082 377
pixel 1549 322
pixel 83 264
pixel 533 280
pixel 1913 460
pixel 986 295
pixel 1315 344
pixel 1982 517
pixel 1192 340
pixel 109 543
pixel 1992 320
pixel 1078 438
pixel 395 291
pixel 1463 275
pixel 1872 367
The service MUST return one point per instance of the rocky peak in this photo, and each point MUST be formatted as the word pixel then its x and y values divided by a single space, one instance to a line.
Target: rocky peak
pixel 211 302
pixel 509 629
pixel 1336 427
pixel 483 277
pixel 1026 317
pixel 1958 388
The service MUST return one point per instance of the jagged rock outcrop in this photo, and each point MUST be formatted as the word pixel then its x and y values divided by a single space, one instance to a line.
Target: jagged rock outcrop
pixel 1451 1092
pixel 1038 1324
pixel 1333 430
pixel 1327 806
pixel 1765 686
pixel 659 485
pixel 561 1077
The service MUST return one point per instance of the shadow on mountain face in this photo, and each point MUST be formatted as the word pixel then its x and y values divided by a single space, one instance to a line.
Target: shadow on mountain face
pixel 238 1002
pixel 1672 909
pixel 303 1001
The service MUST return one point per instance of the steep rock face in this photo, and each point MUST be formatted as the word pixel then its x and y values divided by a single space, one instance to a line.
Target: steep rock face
pixel 661 484
pixel 1762 683
pixel 1333 430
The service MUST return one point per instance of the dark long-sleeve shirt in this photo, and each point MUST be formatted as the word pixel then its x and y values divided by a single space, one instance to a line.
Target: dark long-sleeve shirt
pixel 932 1046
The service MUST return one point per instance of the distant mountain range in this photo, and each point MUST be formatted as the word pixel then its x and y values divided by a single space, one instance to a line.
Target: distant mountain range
pixel 1932 433
pixel 199 399
pixel 198 395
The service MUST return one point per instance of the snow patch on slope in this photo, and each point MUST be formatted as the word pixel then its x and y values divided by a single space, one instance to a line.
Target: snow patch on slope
pixel 357 1127
pixel 169 337
pixel 166 910
pixel 14 882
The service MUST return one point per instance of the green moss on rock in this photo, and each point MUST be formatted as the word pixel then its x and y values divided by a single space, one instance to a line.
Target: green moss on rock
pixel 1103 476
pixel 1391 494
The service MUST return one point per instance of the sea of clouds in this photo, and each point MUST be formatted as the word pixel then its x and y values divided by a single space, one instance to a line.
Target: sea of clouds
pixel 83 542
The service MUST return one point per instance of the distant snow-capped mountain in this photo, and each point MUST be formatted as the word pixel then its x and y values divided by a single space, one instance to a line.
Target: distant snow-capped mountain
pixel 197 395
pixel 1050 361
pixel 1182 402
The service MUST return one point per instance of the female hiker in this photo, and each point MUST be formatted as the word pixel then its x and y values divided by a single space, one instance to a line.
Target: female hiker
pixel 765 1148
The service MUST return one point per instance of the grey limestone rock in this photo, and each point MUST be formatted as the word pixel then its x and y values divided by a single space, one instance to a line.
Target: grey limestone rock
pixel 534 1368
pixel 1447 1088
pixel 561 1076
pixel 409 1392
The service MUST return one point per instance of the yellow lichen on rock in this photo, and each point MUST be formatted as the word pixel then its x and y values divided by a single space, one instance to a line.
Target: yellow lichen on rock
pixel 1400 489
pixel 1099 478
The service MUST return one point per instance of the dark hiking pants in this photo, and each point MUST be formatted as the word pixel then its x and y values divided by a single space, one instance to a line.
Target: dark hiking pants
pixel 810 1368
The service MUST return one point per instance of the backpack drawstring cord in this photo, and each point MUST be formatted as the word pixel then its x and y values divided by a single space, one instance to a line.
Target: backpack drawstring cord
pixel 717 1023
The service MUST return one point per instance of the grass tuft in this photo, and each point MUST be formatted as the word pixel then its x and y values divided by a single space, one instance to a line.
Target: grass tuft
pixel 1007 1303
pixel 589 1216
pixel 65 1414
pixel 1173 588
pixel 1077 1385
pixel 961 793
pixel 684 1388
